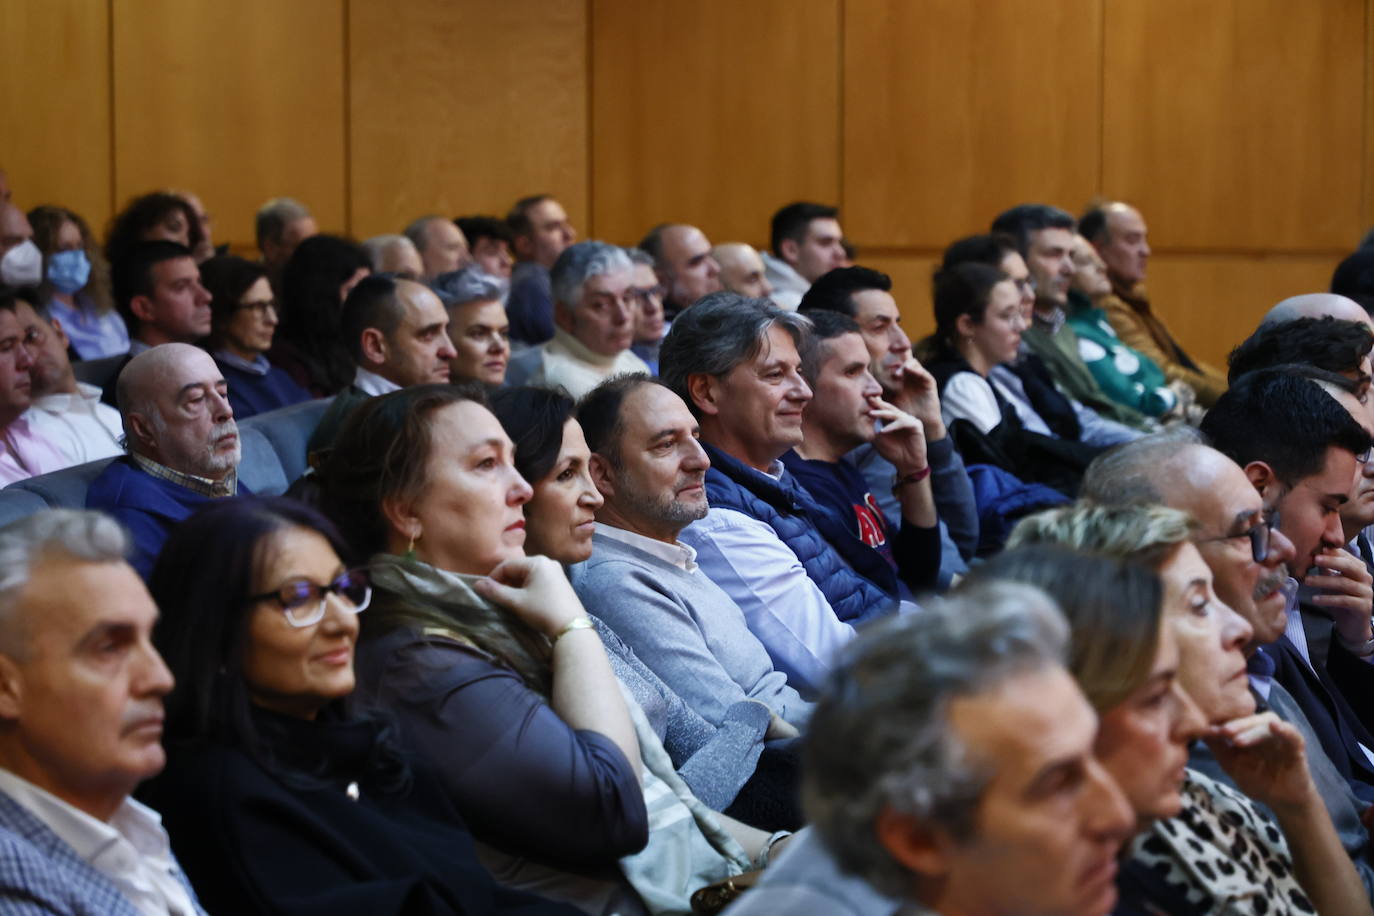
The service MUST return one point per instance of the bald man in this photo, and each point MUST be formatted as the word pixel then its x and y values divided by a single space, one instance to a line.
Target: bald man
pixel 742 270
pixel 683 262
pixel 1317 305
pixel 182 442
pixel 1118 232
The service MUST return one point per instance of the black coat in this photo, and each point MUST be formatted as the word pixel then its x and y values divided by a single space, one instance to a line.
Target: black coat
pixel 291 840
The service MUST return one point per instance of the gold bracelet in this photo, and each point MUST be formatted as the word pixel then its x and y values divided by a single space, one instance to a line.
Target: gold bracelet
pixel 577 623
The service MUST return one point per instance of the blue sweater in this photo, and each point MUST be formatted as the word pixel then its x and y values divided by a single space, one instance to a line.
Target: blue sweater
pixel 799 521
pixel 145 505
pixel 251 394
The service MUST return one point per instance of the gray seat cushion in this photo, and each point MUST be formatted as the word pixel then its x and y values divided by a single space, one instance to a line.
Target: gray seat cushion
pixel 288 429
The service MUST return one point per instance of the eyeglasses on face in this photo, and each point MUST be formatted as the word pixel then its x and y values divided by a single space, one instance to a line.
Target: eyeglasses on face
pixel 1258 533
pixel 302 601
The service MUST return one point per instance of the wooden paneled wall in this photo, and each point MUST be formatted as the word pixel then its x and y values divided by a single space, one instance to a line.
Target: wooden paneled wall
pixel 1241 128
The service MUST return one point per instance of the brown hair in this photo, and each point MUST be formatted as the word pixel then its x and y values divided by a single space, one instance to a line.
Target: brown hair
pixel 47 221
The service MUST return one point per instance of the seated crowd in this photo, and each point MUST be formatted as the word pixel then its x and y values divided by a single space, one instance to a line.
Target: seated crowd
pixel 672 579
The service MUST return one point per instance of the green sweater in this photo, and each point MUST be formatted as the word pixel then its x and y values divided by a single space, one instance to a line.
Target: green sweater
pixel 1125 375
pixel 1060 353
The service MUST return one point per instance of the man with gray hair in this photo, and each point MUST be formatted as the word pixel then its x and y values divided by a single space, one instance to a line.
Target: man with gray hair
pixel 281 225
pixel 766 542
pixel 81 690
pixel 594 318
pixel 477 324
pixel 395 255
pixel 183 446
pixel 441 244
pixel 921 768
pixel 650 322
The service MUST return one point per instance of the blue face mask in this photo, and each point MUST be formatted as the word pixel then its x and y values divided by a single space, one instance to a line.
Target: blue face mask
pixel 68 271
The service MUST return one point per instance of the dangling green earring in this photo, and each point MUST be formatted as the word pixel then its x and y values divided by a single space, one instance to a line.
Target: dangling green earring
pixel 410 551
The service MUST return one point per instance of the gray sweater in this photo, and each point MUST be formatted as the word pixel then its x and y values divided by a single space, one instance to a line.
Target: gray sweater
pixel 685 628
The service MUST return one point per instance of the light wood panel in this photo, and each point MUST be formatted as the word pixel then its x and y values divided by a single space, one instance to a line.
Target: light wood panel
pixel 1232 123
pixel 1213 302
pixel 238 102
pixel 55 105
pixel 713 112
pixel 461 106
pixel 954 111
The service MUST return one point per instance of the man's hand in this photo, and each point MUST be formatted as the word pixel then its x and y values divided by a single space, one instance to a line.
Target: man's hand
pixel 920 397
pixel 1347 592
pixel 901 439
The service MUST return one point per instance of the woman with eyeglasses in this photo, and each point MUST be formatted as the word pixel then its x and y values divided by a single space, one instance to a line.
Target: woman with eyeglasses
pixel 279 797
pixel 243 320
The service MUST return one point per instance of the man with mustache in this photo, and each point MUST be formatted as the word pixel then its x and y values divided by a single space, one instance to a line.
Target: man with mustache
pixel 81 690
pixel 182 442
pixel 643 582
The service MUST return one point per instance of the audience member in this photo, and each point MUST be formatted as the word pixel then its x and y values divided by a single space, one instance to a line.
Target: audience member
pixel 594 310
pixel 205 248
pixel 21 261
pixel 308 344
pixel 76 291
pixel 25 451
pixel 279 800
pixel 541 231
pixel 396 332
pixel 904 824
pixel 157 216
pixel 491 242
pixel 1326 343
pixel 242 324
pixel 846 412
pixel 807 244
pixel 441 244
pixel 477 650
pixel 1317 305
pixel 280 226
pixel 642 581
pixel 735 363
pixel 1354 278
pixel 1118 232
pixel 65 412
pixel 866 296
pixel 182 442
pixel 723 760
pixel 395 255
pixel 477 325
pixel 80 725
pixel 650 322
pixel 682 259
pixel 1044 237
pixel 742 270
pixel 1184 836
pixel 1124 375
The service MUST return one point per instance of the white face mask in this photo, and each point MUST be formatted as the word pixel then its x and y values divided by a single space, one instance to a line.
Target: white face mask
pixel 22 265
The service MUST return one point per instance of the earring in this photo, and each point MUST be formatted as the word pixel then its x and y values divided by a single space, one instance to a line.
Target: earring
pixel 410 551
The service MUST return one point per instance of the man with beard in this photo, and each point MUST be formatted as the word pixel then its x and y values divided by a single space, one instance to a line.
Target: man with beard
pixel 643 582
pixel 183 446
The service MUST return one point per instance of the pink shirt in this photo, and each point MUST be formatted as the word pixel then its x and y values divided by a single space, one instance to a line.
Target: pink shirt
pixel 25 453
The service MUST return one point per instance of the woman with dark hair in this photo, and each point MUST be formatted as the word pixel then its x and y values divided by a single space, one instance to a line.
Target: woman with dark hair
pixel 314 283
pixel 1159 658
pixel 159 215
pixel 727 765
pixel 979 318
pixel 243 320
pixel 496 674
pixel 76 284
pixel 279 799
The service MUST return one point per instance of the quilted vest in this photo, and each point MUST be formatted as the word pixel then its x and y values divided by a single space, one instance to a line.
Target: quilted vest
pixel 798 520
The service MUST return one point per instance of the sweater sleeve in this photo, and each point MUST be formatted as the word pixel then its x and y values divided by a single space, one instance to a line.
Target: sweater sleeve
pixel 953 493
pixel 522 778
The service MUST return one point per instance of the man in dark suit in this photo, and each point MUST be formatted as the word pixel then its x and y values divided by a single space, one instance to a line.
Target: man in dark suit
pixel 81 690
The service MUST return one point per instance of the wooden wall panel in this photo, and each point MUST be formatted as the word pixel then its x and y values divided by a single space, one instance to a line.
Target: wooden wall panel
pixel 713 112
pixel 238 102
pixel 1213 302
pixel 954 111
pixel 463 106
pixel 55 105
pixel 1232 123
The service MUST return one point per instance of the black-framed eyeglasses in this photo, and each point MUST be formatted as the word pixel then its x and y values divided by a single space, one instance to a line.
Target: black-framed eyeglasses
pixel 302 601
pixel 261 306
pixel 1258 533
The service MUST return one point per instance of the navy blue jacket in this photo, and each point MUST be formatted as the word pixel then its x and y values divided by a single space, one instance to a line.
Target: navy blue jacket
pixel 251 394
pixel 823 545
